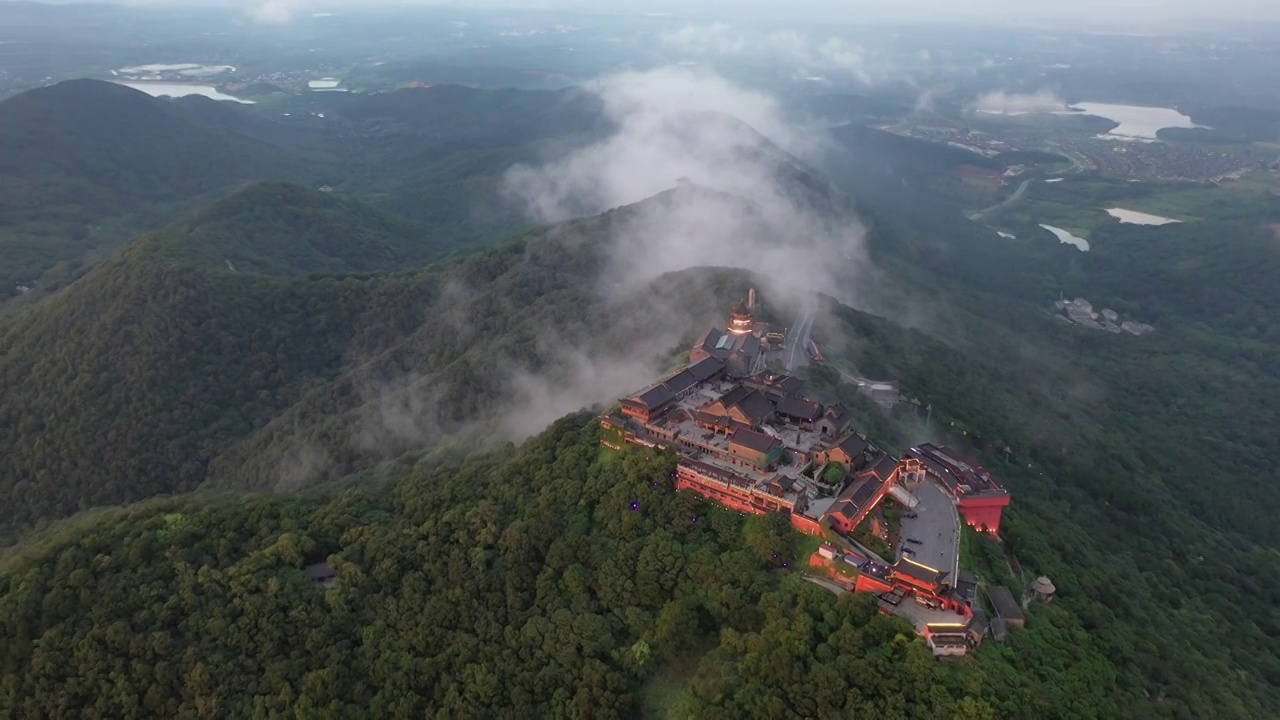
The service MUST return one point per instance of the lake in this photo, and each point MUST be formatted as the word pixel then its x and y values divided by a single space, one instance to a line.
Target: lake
pixel 1136 122
pixel 1068 238
pixel 1133 217
pixel 165 89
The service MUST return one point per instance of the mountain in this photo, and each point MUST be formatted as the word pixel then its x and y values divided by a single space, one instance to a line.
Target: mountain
pixel 85 164
pixel 237 346
pixel 540 581
pixel 274 228
pixel 96 144
pixel 375 374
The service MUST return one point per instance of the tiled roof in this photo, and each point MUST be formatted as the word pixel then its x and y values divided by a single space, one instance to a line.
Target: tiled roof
pixel 752 440
pixel 756 406
pixel 799 408
pixel 853 445
pixel 705 368
pixel 1003 603
pixel 655 397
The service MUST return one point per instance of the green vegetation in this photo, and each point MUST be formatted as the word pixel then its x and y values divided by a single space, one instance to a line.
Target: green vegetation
pixel 330 352
pixel 834 475
pixel 85 165
pixel 258 377
pixel 537 581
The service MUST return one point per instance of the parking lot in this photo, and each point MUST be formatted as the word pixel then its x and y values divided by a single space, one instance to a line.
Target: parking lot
pixel 936 525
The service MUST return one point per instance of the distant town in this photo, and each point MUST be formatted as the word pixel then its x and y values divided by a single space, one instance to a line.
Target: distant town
pixel 749 439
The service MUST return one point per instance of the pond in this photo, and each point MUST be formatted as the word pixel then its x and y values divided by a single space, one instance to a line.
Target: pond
pixel 1133 217
pixel 1068 238
pixel 166 89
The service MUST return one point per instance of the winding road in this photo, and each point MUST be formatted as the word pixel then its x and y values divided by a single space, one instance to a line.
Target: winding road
pixel 1017 194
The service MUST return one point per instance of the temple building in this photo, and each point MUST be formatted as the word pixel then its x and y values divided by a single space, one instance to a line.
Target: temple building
pixel 749 439
pixel 980 500
pixel 741 345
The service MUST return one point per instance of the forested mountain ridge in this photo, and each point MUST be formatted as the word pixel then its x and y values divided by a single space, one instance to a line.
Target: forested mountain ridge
pixel 549 580
pixel 273 228
pixel 86 164
pixel 95 144
pixel 229 351
pixel 166 367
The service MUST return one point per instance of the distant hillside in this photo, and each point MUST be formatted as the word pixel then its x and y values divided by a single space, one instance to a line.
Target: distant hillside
pixel 143 377
pixel 456 111
pixel 90 144
pixel 274 228
pixel 85 163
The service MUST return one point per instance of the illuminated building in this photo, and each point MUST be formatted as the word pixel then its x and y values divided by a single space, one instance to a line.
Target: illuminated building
pixel 976 495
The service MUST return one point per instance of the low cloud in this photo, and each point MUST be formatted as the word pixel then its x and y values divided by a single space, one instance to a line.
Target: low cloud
pixel 805 55
pixel 579 380
pixel 745 203
pixel 1003 103
pixel 277 12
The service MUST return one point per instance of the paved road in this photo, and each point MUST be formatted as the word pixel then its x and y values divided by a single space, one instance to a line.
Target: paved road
pixel 824 583
pixel 1017 194
pixel 936 526
pixel 794 353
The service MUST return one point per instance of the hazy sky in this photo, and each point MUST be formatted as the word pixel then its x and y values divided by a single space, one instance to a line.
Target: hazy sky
pixel 1091 12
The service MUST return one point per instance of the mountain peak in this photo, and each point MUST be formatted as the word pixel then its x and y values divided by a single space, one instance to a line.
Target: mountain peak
pixel 286 230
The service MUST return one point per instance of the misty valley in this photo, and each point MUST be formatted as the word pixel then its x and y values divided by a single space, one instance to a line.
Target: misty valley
pixel 436 362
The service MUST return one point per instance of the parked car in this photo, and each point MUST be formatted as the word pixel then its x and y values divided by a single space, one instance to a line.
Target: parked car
pixel 910 516
pixel 908 551
pixel 913 541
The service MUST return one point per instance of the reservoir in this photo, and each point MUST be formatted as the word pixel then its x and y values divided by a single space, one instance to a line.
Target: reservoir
pixel 1068 238
pixel 1133 217
pixel 167 89
pixel 1136 122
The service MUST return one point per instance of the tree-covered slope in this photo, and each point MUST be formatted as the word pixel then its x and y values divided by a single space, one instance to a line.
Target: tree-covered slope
pixel 551 580
pixel 91 144
pixel 273 228
pixel 85 164
pixel 167 366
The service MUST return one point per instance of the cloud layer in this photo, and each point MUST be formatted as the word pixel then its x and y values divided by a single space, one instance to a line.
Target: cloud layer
pixel 675 123
pixel 1003 103
pixel 805 56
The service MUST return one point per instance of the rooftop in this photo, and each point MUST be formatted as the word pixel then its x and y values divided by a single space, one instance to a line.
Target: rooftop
pixel 1003 603
pixel 960 474
pixel 752 440
pixel 853 445
pixel 883 466
pixel 799 408
pixel 912 569
pixel 855 497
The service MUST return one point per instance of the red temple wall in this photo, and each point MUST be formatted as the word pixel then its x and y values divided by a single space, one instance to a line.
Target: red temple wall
pixel 983 513
pixel 866 583
pixel 806 525
pixel 720 496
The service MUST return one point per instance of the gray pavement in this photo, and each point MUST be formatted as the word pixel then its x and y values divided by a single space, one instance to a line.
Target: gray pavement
pixel 825 583
pixel 919 616
pixel 1017 194
pixel 794 354
pixel 936 526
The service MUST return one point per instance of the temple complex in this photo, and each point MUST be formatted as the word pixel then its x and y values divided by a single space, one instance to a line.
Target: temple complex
pixel 749 439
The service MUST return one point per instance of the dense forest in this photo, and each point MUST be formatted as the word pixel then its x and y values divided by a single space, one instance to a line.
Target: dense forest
pixel 242 347
pixel 278 338
pixel 549 580
pixel 1143 465
pixel 87 164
